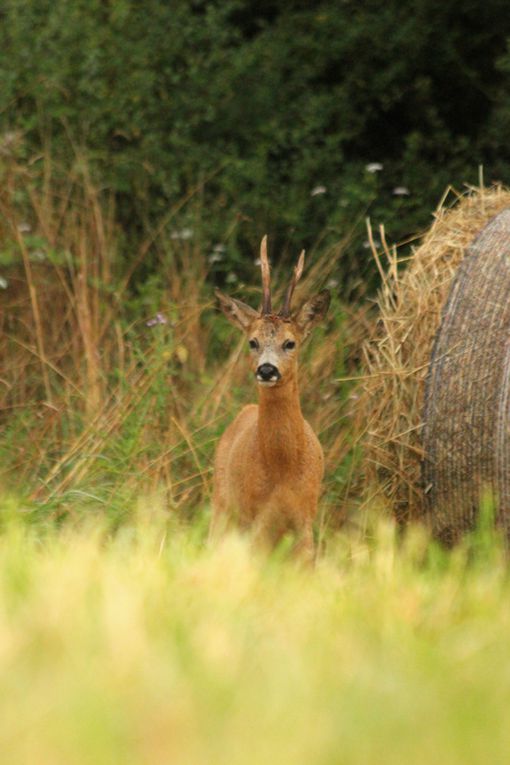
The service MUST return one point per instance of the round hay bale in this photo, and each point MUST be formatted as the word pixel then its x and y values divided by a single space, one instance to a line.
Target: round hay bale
pixel 398 357
pixel 466 433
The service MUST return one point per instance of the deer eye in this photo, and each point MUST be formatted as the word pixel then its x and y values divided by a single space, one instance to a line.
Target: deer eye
pixel 254 344
pixel 289 345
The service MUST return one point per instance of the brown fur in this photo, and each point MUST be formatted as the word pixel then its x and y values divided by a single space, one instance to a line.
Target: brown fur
pixel 269 462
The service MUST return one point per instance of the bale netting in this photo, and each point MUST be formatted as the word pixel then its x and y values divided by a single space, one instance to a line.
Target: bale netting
pixel 435 403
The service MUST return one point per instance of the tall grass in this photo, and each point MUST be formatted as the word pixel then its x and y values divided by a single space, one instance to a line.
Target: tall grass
pixel 147 647
pixel 123 637
pixel 117 375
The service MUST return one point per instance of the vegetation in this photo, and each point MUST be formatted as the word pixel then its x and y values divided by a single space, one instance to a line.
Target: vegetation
pixel 144 150
pixel 123 637
pixel 147 647
pixel 277 117
pixel 108 392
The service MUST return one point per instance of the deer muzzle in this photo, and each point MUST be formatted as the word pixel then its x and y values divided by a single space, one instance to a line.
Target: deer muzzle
pixel 267 373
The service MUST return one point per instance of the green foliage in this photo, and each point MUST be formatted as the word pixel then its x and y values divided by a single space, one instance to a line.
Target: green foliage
pixel 253 106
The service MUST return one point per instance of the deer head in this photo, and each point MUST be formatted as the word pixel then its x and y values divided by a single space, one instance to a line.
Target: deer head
pixel 274 339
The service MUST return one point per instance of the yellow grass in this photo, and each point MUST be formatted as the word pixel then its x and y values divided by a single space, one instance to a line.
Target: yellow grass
pixel 149 648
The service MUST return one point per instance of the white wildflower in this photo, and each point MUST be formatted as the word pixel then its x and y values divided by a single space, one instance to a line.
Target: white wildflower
pixel 217 253
pixel 183 234
pixel 159 318
pixel 317 191
pixel 8 142
pixel 374 167
pixel 401 191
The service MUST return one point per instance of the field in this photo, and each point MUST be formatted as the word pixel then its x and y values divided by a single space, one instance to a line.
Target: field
pixel 148 647
pixel 124 637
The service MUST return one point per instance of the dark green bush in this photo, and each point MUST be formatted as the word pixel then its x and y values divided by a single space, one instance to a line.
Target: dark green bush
pixel 265 114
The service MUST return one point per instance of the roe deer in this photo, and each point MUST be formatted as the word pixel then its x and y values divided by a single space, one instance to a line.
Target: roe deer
pixel 269 462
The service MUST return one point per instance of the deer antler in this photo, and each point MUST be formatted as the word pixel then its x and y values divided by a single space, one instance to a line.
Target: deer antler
pixel 266 287
pixel 298 271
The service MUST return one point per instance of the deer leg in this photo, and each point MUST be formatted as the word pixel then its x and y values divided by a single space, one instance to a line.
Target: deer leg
pixel 220 517
pixel 304 547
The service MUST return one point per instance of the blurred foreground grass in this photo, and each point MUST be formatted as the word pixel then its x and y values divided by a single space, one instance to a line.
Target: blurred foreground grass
pixel 146 647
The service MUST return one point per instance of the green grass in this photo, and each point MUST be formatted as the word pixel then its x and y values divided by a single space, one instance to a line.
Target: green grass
pixel 148 647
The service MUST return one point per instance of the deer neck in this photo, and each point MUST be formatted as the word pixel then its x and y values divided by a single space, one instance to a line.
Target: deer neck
pixel 281 428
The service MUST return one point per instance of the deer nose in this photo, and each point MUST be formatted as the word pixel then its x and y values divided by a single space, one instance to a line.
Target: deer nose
pixel 267 372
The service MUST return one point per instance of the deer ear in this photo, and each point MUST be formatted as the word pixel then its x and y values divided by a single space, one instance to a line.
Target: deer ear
pixel 238 313
pixel 312 312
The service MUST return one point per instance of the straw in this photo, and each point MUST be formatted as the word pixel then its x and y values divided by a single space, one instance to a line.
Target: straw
pixel 398 354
